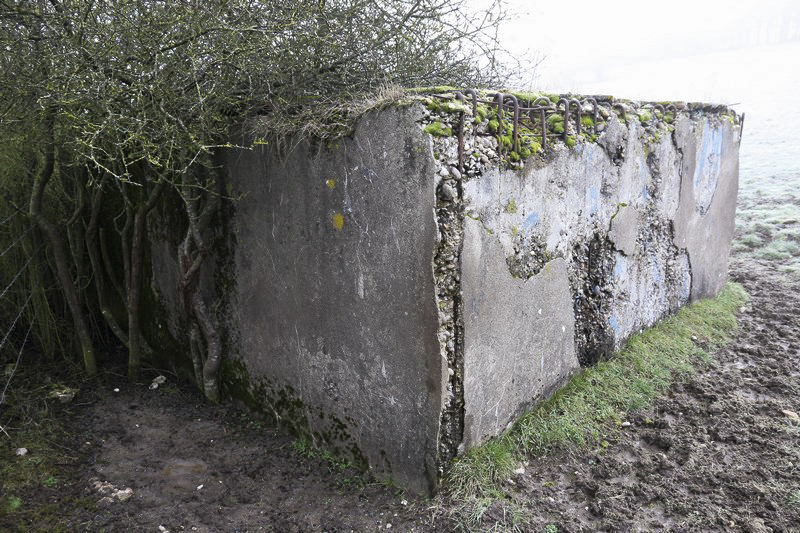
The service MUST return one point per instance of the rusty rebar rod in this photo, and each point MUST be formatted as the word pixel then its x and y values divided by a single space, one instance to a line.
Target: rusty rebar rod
pixel 741 128
pixel 515 120
pixel 578 116
pixel 543 117
pixel 460 96
pixel 566 116
pixel 594 113
pixel 498 99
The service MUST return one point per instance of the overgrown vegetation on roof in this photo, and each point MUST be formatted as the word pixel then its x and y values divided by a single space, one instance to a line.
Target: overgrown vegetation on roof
pixel 111 108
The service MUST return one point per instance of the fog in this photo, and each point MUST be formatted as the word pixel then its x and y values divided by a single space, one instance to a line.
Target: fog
pixel 602 47
pixel 744 54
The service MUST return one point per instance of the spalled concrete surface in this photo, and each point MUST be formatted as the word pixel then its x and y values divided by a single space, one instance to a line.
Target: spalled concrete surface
pixel 335 291
pixel 625 229
pixel 704 222
pixel 519 343
pixel 610 209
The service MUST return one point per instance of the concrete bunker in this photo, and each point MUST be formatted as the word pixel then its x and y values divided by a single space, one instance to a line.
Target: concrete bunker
pixel 404 293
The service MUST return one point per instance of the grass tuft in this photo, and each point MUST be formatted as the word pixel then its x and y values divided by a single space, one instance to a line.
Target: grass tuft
pixel 595 401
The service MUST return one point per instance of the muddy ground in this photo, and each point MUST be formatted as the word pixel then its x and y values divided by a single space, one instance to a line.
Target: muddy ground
pixel 718 453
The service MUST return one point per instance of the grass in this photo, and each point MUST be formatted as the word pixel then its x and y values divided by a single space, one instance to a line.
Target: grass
pixel 768 223
pixel 31 494
pixel 348 473
pixel 594 403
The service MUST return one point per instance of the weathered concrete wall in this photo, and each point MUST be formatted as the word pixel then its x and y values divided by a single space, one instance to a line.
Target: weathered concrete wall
pixel 335 291
pixel 519 335
pixel 399 311
pixel 639 222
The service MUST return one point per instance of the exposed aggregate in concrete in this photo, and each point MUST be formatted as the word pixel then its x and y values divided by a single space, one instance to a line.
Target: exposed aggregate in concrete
pixel 592 257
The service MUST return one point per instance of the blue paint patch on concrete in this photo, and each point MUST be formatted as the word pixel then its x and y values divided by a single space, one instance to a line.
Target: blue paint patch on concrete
pixel 614 323
pixel 657 274
pixel 620 266
pixel 708 167
pixel 594 200
pixel 531 221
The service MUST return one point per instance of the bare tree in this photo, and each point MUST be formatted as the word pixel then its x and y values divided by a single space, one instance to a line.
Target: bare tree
pixel 133 98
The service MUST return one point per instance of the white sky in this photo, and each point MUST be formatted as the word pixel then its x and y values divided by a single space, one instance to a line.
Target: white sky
pixel 648 49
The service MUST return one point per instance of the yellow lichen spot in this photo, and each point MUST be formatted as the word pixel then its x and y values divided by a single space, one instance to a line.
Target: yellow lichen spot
pixel 338 221
pixel 330 184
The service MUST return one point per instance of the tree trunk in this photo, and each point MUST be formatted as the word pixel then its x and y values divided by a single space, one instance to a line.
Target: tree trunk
pixel 135 286
pixel 206 368
pixel 60 256
pixel 75 230
pixel 93 251
pixel 122 291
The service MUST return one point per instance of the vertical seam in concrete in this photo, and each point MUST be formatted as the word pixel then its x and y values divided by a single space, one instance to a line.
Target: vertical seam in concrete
pixel 447 275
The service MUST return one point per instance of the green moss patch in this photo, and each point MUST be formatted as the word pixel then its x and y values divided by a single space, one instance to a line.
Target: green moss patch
pixel 438 129
pixel 511 206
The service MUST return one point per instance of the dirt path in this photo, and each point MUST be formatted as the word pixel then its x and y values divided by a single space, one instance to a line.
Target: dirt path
pixel 192 467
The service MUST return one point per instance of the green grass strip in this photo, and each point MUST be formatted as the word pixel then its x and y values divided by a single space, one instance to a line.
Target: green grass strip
pixel 597 399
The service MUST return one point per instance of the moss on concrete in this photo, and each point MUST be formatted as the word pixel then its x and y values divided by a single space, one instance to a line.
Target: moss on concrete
pixel 264 398
pixel 438 129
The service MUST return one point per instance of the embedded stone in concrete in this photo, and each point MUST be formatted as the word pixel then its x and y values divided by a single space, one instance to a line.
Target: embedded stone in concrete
pixel 519 342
